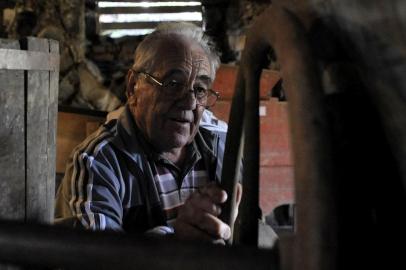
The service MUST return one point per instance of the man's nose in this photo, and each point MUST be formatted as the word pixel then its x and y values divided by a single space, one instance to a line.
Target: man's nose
pixel 188 100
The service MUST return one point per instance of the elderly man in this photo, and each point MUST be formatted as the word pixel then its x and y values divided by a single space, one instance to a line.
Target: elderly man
pixel 156 168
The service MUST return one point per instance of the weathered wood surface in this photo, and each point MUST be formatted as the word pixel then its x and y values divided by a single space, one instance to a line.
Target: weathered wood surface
pixel 28 131
pixel 52 130
pixel 37 139
pixel 12 151
pixel 28 60
pixel 12 162
pixel 72 129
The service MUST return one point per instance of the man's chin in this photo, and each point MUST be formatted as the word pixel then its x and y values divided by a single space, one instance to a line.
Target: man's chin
pixel 179 143
pixel 176 138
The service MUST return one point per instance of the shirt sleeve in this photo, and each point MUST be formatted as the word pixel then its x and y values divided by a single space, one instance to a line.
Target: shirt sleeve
pixel 89 195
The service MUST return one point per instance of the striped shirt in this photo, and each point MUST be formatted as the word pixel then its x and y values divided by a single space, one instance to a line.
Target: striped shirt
pixel 112 181
pixel 171 194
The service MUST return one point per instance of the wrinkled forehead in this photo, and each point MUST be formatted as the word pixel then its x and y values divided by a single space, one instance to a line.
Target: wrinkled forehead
pixel 177 53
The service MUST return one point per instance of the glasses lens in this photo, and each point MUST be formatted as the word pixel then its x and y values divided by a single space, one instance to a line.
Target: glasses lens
pixel 174 86
pixel 175 89
pixel 211 99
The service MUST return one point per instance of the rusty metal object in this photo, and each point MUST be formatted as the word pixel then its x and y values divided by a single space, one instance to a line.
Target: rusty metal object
pixel 346 193
pixel 316 228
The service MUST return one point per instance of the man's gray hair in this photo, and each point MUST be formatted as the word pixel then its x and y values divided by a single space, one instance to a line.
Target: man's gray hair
pixel 144 58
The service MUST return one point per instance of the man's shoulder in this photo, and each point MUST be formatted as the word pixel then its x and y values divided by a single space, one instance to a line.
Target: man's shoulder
pixel 213 132
pixel 211 123
pixel 98 140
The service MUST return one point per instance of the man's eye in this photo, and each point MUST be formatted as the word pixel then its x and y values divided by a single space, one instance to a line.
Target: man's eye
pixel 200 91
pixel 174 84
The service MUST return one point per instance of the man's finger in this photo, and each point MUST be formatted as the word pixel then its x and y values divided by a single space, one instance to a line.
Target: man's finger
pixel 216 194
pixel 205 221
pixel 215 226
pixel 204 203
pixel 185 231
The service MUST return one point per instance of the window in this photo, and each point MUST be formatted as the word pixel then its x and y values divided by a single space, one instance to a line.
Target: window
pixel 120 18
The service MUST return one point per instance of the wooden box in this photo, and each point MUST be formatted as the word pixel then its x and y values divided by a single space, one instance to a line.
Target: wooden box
pixel 29 72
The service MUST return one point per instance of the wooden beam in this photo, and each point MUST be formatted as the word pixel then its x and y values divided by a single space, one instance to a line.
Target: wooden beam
pixel 12 130
pixel 37 89
pixel 136 10
pixel 135 25
pixel 28 60
pixel 152 1
pixel 57 247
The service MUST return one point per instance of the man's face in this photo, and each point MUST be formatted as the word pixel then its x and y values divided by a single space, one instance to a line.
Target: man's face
pixel 169 123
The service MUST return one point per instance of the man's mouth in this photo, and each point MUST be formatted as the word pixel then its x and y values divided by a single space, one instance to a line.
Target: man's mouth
pixel 181 120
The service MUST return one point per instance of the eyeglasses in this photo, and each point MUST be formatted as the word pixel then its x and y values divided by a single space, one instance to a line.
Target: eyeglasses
pixel 174 90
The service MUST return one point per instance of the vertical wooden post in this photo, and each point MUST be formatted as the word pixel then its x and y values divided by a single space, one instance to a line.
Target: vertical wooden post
pixel 29 98
pixel 37 89
pixel 52 130
pixel 12 129
pixel 28 114
pixel 40 137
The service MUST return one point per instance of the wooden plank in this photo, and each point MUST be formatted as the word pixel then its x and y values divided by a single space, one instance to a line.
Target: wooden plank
pixel 213 2
pixel 152 1
pixel 73 128
pixel 37 127
pixel 52 126
pixel 135 25
pixel 136 10
pixel 28 60
pixel 12 153
pixel 203 2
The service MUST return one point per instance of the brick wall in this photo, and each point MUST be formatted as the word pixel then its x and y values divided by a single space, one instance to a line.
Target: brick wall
pixel 276 167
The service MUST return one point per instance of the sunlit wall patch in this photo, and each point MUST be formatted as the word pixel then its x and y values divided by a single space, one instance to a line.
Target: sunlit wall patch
pixel 150 17
pixel 117 19
pixel 149 4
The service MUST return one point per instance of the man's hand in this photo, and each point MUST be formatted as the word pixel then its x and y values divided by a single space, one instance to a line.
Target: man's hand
pixel 198 217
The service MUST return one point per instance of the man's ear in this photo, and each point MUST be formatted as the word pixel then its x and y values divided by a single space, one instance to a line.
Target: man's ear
pixel 130 88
